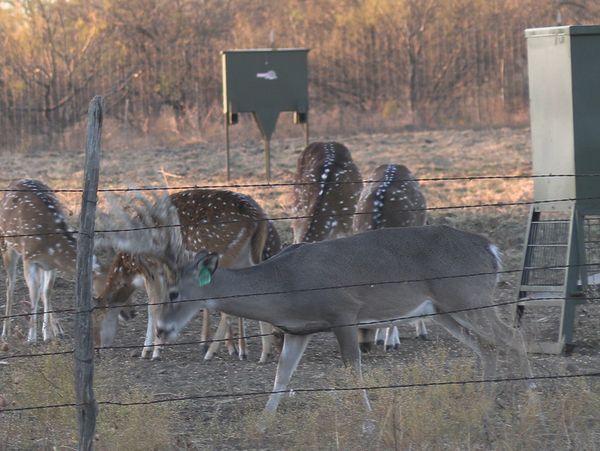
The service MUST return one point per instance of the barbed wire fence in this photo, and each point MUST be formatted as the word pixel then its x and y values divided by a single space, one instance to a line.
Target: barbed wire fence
pixel 87 311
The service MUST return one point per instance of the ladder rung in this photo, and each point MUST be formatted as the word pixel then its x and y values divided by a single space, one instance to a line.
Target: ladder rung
pixel 537 268
pixel 542 288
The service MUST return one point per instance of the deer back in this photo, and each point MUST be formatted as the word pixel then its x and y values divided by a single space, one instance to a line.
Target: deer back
pixel 328 186
pixel 228 223
pixel 395 200
pixel 33 209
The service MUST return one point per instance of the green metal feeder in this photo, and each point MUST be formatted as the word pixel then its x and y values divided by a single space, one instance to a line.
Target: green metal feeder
pixel 265 82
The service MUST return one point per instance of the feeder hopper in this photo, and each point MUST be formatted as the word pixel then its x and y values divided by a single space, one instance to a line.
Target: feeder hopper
pixel 265 82
pixel 564 222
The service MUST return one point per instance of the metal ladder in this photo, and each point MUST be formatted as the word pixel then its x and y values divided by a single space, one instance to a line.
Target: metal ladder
pixel 554 272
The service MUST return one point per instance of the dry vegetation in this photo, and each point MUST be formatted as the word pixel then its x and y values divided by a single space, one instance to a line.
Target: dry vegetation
pixel 381 63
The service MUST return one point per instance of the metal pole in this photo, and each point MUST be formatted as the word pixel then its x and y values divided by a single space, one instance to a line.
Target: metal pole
pixel 87 408
pixel 227 145
pixel 268 159
pixel 306 132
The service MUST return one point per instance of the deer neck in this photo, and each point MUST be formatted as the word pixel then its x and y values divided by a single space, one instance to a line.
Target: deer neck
pixel 231 291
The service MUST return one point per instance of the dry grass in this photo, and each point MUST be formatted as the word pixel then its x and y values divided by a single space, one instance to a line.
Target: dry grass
pixel 49 381
pixel 477 417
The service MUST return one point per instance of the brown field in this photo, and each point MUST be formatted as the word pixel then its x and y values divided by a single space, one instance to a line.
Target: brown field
pixel 564 415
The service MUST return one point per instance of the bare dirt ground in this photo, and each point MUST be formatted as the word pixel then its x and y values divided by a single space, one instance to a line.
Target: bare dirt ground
pixel 224 423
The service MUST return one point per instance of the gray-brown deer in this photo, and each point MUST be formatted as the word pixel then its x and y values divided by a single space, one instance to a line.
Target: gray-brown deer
pixel 395 199
pixel 34 228
pixel 382 276
pixel 327 186
pixel 228 223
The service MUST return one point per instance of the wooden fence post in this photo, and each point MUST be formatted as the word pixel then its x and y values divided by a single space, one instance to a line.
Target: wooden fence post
pixel 87 408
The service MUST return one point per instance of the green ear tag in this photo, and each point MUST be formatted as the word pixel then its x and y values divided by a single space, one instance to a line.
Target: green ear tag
pixel 204 276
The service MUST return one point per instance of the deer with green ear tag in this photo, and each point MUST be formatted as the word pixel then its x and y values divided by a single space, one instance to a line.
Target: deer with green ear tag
pixel 372 279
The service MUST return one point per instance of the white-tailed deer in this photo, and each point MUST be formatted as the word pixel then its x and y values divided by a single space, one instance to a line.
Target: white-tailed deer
pixel 231 224
pixel 34 229
pixel 394 200
pixel 328 184
pixel 381 276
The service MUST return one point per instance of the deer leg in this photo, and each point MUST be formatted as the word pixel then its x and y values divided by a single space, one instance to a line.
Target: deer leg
pixel 243 351
pixel 34 278
pixel 379 337
pixel 149 340
pixel 230 337
pixel 366 338
pixel 10 259
pixel 421 329
pixel 512 338
pixel 394 341
pixel 50 326
pixel 152 320
pixel 347 338
pixel 454 328
pixel 266 329
pixel 217 337
pixel 293 348
pixel 205 329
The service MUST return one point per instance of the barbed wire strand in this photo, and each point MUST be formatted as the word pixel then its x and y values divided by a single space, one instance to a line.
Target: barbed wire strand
pixel 335 215
pixel 287 184
pixel 311 390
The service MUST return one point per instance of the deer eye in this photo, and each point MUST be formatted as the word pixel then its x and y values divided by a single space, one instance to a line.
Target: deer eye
pixel 173 295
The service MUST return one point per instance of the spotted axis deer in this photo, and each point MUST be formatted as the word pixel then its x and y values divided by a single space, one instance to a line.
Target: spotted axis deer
pixel 327 186
pixel 394 200
pixel 228 223
pixel 34 228
pixel 381 276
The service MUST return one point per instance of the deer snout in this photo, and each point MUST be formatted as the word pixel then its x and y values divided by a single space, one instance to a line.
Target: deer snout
pixel 165 333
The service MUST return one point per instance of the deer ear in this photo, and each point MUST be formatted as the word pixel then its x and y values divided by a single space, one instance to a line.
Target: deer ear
pixel 207 265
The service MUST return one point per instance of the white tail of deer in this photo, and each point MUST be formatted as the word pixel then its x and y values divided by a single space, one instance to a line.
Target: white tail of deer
pixel 388 275
pixel 228 223
pixel 395 200
pixel 328 184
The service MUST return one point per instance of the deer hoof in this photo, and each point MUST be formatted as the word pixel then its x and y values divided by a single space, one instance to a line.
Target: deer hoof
pixel 379 342
pixel 243 356
pixel 422 337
